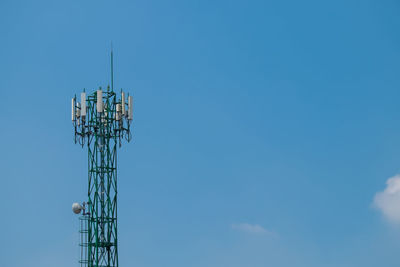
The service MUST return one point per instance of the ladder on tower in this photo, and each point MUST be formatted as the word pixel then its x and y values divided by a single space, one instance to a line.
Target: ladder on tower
pixel 83 232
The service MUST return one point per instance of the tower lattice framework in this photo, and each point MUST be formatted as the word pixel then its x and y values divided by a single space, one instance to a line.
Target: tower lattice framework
pixel 101 121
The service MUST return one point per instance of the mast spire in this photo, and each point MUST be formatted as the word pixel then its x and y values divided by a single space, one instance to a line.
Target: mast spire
pixel 112 69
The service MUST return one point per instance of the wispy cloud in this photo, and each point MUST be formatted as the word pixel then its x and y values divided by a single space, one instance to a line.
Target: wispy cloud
pixel 252 229
pixel 388 201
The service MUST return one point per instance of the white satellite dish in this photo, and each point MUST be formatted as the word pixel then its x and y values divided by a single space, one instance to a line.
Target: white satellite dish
pixel 77 208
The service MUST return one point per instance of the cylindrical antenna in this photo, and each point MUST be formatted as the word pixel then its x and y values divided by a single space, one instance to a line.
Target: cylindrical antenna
pixel 83 104
pixel 130 108
pixel 99 101
pixel 73 109
pixel 78 110
pixel 123 102
pixel 118 113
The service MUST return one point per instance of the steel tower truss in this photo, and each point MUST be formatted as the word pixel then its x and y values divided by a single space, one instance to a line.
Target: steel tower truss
pixel 101 121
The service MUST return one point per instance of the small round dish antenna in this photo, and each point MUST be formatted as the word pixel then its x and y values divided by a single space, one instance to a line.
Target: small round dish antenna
pixel 77 208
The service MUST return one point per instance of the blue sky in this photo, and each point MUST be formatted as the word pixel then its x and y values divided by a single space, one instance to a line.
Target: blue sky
pixel 264 130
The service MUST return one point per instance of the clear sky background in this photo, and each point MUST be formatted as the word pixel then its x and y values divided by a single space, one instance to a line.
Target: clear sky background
pixel 263 130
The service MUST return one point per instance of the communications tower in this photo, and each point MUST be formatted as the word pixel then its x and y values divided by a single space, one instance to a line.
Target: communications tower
pixel 102 120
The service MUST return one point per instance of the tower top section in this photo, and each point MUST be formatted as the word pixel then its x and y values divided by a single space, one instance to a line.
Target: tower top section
pixel 102 115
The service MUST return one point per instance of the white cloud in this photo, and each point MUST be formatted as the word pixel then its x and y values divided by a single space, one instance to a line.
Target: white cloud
pixel 388 201
pixel 251 228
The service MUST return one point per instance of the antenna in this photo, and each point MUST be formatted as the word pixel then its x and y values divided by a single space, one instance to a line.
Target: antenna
pixel 112 69
pixel 98 121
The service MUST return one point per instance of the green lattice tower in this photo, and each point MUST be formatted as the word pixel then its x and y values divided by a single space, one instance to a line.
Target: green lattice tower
pixel 101 121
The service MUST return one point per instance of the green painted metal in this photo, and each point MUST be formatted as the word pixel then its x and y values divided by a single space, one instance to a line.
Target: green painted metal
pixel 101 132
